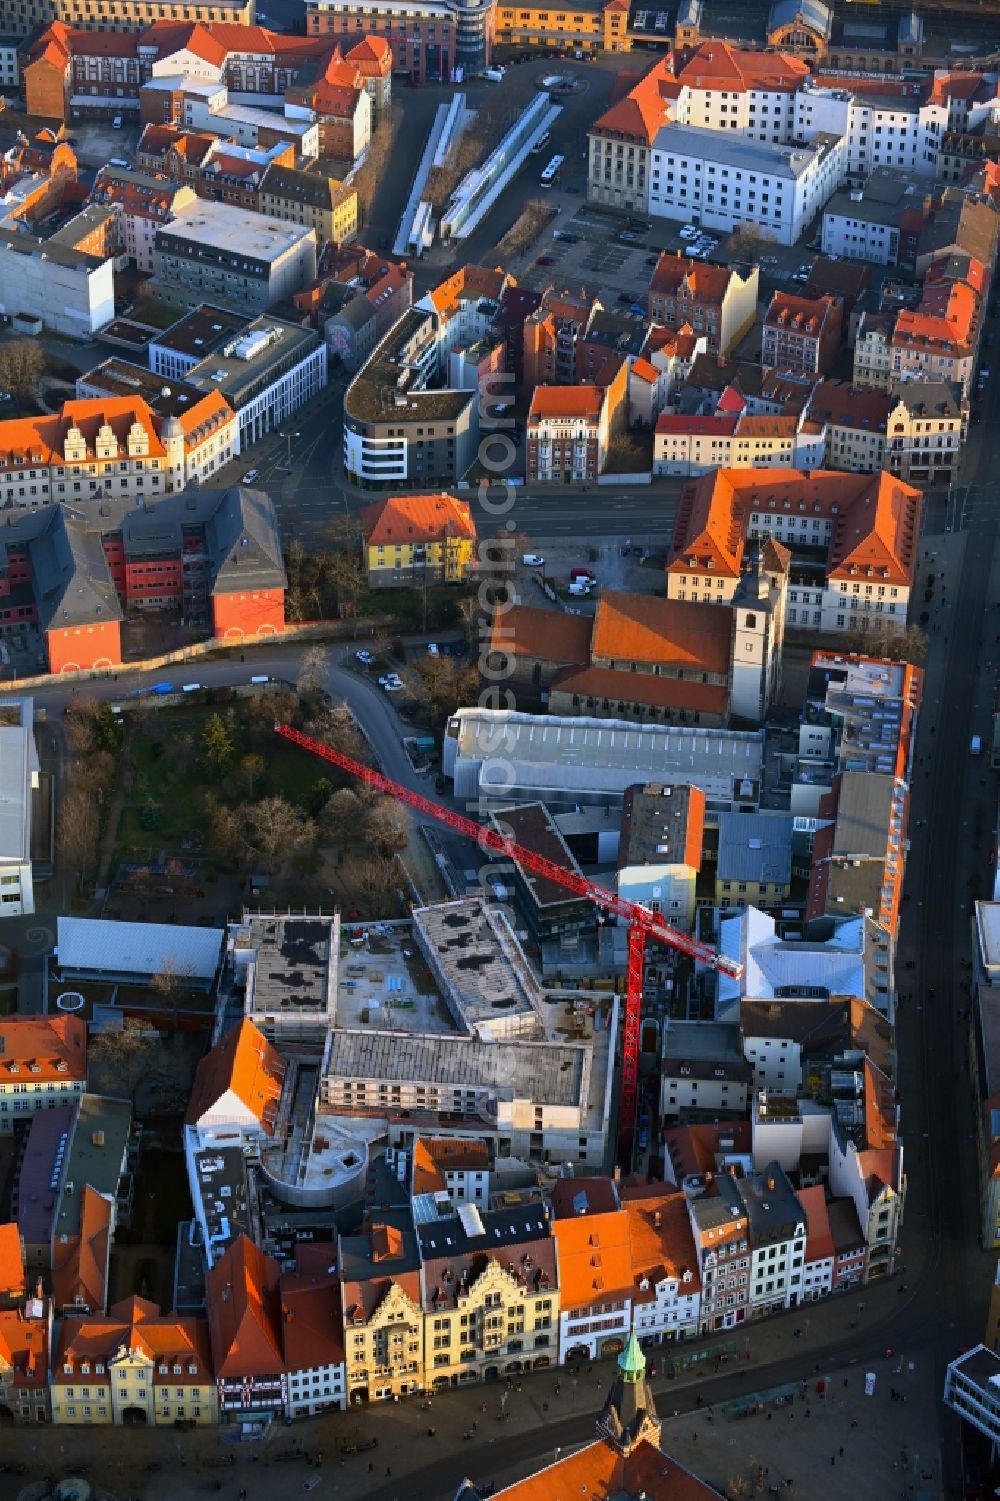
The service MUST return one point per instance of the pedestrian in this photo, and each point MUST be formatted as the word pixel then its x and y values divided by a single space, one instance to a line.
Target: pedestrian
pixel 841 1451
pixel 388 1471
pixel 845 1380
pixel 808 1411
pixel 371 1467
pixel 558 1388
pixel 694 1438
pixel 833 1459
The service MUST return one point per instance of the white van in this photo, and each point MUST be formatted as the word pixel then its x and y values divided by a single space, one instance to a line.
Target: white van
pixel 580 587
pixel 495 75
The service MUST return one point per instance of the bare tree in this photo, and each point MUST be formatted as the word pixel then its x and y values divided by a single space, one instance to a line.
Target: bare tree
pixel 909 645
pixel 119 1061
pixel 225 832
pixel 444 683
pixel 78 832
pixel 168 985
pixel 387 826
pixel 372 170
pixel 276 830
pixel 342 819
pixel 374 878
pixel 314 663
pixel 336 726
pixel 22 364
pixel 249 775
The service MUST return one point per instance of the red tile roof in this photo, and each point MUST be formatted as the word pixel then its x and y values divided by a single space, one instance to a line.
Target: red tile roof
pixel 80 1263
pixel 682 425
pixel 717 65
pixel 244 1312
pixel 600 1473
pixel 417 518
pixel 819 1240
pixel 643 688
pixel 705 282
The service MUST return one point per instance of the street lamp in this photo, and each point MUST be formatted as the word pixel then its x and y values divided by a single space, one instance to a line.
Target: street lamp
pixel 288 437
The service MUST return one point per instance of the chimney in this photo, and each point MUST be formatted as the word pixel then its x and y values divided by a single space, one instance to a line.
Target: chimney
pixel 657 1218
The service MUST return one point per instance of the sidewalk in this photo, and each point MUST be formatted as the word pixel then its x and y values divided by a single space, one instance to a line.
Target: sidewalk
pixel 541 1419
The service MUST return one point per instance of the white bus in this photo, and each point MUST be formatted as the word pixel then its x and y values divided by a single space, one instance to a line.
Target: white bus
pixel 551 171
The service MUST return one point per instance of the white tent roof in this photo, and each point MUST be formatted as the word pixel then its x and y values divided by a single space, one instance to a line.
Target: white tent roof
pixel 138 948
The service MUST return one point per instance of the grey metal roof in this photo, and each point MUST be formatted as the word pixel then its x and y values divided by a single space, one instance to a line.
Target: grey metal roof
pixel 817 16
pixel 69 572
pixel 755 847
pixel 700 143
pixel 243 542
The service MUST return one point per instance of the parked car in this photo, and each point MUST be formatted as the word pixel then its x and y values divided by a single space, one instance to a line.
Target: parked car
pixel 689 232
pixel 583 573
pixel 391 682
pixel 533 560
pixel 364 657
pixel 250 476
pixel 546 260
pixel 116 123
pixel 433 650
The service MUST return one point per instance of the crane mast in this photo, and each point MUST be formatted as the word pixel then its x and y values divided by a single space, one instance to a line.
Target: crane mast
pixel 642 923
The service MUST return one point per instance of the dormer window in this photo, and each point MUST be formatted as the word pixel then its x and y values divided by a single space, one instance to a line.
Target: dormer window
pixel 67 1369
pixel 163 1370
pixel 99 1369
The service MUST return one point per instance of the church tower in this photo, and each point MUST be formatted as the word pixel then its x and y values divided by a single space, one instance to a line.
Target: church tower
pixel 629 1415
pixel 758 632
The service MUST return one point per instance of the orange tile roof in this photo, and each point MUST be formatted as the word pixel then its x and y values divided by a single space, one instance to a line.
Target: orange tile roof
pixel 372 53
pixel 245 1063
pixel 643 688
pixel 201 421
pixel 42 439
pixel 644 628
pixel 80 1263
pixel 717 65
pixel 600 1473
pixel 945 319
pixel 643 370
pixel 244 1312
pixel 661 1243
pixel 819 1240
pixel 467 284
pixel 880 1107
pixel 639 115
pixel 11 1261
pixel 594 1260
pixel 45 1043
pixel 417 518
pixel 24 1347
pixel 435 1156
pixel 805 315
pixel 136 1324
pixel 190 36
pixel 548 635
pixel 876 519
pixel 552 403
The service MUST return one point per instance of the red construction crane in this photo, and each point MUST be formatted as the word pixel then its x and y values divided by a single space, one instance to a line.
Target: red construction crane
pixel 642 923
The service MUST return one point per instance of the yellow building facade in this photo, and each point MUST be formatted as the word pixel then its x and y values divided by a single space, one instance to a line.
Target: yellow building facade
pixel 497 1324
pixel 579 28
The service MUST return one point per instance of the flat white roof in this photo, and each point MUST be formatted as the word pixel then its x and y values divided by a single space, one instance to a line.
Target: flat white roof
pixel 137 948
pixel 569 753
pixel 223 226
pixel 18 763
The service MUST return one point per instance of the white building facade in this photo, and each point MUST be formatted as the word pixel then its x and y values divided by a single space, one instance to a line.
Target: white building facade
pixel 724 182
